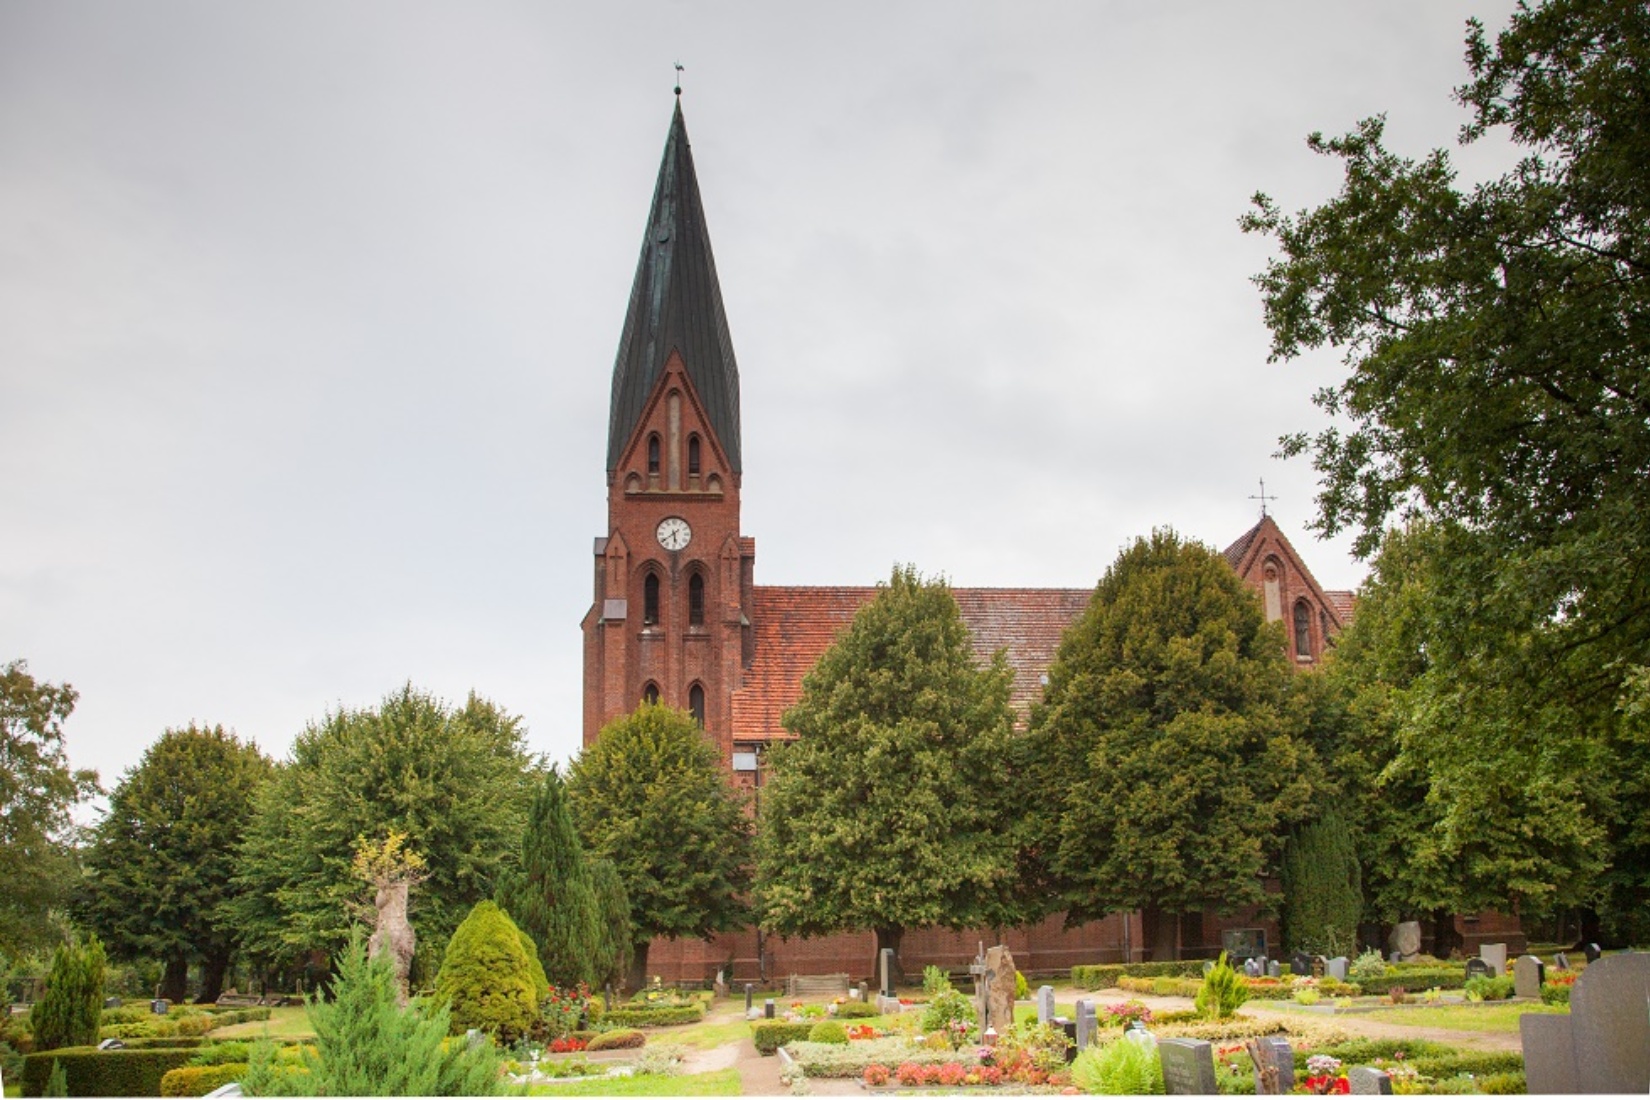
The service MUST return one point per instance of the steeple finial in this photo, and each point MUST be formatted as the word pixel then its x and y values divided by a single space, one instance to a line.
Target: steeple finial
pixel 678 80
pixel 1263 498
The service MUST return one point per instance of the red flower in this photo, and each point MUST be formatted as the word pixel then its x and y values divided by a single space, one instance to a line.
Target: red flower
pixel 875 1075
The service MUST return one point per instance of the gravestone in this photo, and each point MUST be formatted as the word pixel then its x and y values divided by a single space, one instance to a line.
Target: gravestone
pixel 1594 952
pixel 160 1006
pixel 1320 966
pixel 1207 967
pixel 1188 1067
pixel 1251 968
pixel 1300 964
pixel 997 994
pixel 1070 1028
pixel 474 1037
pixel 111 1044
pixel 1274 1055
pixel 111 1002
pixel 1087 1024
pixel 1337 968
pixel 720 987
pixel 1274 969
pixel 1366 1081
pixel 1561 961
pixel 1603 1045
pixel 1395 958
pixel 1406 939
pixel 865 992
pixel 1528 974
pixel 1496 955
pixel 767 1009
pixel 885 971
pixel 750 991
pixel 1045 1003
pixel 1478 968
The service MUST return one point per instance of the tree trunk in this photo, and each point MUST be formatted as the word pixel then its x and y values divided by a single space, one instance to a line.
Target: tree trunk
pixel 889 937
pixel 213 967
pixel 174 984
pixel 1162 933
pixel 638 966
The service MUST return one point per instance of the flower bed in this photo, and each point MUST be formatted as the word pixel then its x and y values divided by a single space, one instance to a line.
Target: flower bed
pixel 851 1060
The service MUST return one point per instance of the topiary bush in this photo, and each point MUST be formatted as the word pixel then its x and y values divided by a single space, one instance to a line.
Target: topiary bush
pixel 1370 964
pixel 1022 989
pixel 654 1015
pixel 200 1080
pixel 828 1031
pixel 485 979
pixel 770 1035
pixel 93 1072
pixel 1122 1067
pixel 856 1010
pixel 618 1039
pixel 1489 989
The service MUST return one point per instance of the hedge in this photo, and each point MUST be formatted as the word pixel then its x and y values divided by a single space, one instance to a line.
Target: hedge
pixel 618 1039
pixel 1105 975
pixel 770 1035
pixel 654 1015
pixel 93 1072
pixel 200 1080
pixel 1417 978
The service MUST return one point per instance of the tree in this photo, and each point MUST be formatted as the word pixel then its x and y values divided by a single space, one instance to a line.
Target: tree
pixel 1498 386
pixel 161 862
pixel 651 796
pixel 37 790
pixel 888 811
pixel 1323 897
pixel 391 869
pixel 615 937
pixel 1165 753
pixel 487 976
pixel 457 783
pixel 549 896
pixel 68 1013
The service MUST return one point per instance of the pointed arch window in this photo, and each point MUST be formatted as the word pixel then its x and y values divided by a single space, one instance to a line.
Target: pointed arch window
pixel 693 455
pixel 650 599
pixel 696 703
pixel 696 600
pixel 1303 629
pixel 650 693
pixel 653 453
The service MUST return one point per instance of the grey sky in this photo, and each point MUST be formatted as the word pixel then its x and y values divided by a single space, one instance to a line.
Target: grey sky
pixel 308 313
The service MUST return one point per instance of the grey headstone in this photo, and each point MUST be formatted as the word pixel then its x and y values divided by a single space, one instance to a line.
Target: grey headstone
pixel 111 1002
pixel 1337 968
pixel 1369 1082
pixel 865 992
pixel 885 971
pixel 750 996
pixel 1561 961
pixel 1594 952
pixel 1610 1025
pixel 1207 966
pixel 1274 969
pixel 1549 1055
pixel 160 1006
pixel 1406 939
pixel 1275 1052
pixel 474 1037
pixel 1045 1003
pixel 111 1044
pixel 1188 1067
pixel 1087 1024
pixel 1478 968
pixel 1496 955
pixel 1251 968
pixel 1395 958
pixel 1528 974
pixel 231 1089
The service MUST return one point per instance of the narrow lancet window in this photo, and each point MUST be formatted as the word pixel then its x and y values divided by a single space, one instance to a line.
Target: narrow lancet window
pixel 696 600
pixel 650 599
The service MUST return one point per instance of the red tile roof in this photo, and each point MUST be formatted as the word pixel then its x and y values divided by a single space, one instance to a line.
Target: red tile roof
pixel 794 626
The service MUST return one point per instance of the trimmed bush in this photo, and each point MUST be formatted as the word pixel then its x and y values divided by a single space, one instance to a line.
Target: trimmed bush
pixel 770 1035
pixel 485 977
pixel 200 1080
pixel 1022 989
pixel 620 1039
pixel 1416 977
pixel 1322 889
pixel 1555 994
pixel 856 1010
pixel 654 1015
pixel 93 1072
pixel 828 1031
pixel 1105 975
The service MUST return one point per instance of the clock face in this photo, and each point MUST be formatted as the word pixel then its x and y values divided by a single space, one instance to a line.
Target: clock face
pixel 674 533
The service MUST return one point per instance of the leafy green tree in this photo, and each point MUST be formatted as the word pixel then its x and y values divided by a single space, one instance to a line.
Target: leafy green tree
pixel 1498 386
pixel 457 783
pixel 549 895
pixel 1166 753
pixel 651 797
pixel 1323 897
pixel 162 859
pixel 38 789
pixel 615 939
pixel 887 812
pixel 367 1044
pixel 487 977
pixel 69 1010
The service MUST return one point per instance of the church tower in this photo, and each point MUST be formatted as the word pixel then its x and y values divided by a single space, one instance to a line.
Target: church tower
pixel 673 575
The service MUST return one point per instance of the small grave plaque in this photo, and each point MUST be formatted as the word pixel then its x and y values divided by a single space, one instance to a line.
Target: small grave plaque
pixel 1188 1067
pixel 1369 1082
pixel 1528 974
pixel 1045 1003
pixel 1275 1066
pixel 1478 968
pixel 1496 955
pixel 160 1006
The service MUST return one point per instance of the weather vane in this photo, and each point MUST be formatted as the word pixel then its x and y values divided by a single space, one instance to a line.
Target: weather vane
pixel 1263 498
pixel 678 79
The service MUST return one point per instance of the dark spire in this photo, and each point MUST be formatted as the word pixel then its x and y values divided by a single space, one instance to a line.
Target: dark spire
pixel 675 303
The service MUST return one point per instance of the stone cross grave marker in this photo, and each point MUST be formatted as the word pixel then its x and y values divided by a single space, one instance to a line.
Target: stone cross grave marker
pixel 1528 974
pixel 1603 1045
pixel 1087 1024
pixel 1188 1067
pixel 1274 1065
pixel 1496 955
pixel 1478 968
pixel 1366 1081
pixel 1045 1003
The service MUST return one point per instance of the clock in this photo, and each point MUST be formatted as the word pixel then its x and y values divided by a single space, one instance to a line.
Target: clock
pixel 674 533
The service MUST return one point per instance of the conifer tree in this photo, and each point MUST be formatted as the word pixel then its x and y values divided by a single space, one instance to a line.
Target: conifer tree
pixel 549 895
pixel 612 962
pixel 486 978
pixel 68 1013
pixel 1322 888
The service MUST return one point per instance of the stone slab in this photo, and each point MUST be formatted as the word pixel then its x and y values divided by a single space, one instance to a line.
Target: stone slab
pixel 1528 974
pixel 1610 1022
pixel 1045 1003
pixel 1496 955
pixel 1366 1081
pixel 1274 1052
pixel 1188 1067
pixel 1549 1055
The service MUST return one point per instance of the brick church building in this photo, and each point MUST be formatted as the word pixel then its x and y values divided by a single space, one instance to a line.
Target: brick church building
pixel 677 616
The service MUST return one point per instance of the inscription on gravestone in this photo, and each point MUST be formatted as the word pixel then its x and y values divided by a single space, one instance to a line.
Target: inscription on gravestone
pixel 1369 1082
pixel 1188 1067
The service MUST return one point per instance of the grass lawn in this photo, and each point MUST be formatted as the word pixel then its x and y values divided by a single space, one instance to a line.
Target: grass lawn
pixel 701 1036
pixel 1462 1017
pixel 283 1023
pixel 15 1090
pixel 724 1082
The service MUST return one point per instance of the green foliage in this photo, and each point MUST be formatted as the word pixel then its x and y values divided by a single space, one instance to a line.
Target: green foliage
pixel 1122 1067
pixel 1105 975
pixel 611 960
pixel 652 797
pixel 1322 888
pixel 456 782
pixel 887 812
pixel 1022 989
pixel 770 1035
pixel 366 1044
pixel 161 862
pixel 1555 994
pixel 856 1010
pixel 1222 992
pixel 618 1039
pixel 1489 989
pixel 92 1072
pixel 1367 965
pixel 944 1007
pixel 828 1031
pixel 654 1015
pixel 38 790
pixel 1497 389
pixel 58 1083
pixel 486 978
pixel 1166 755
pixel 197 1080
pixel 69 1012
pixel 549 896
pixel 219 1054
pixel 935 980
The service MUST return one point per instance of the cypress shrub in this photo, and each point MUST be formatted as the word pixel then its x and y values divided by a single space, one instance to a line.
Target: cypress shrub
pixel 614 947
pixel 485 979
pixel 550 897
pixel 68 1013
pixel 1322 889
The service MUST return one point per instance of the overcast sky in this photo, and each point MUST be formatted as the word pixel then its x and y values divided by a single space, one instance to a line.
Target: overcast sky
pixel 308 313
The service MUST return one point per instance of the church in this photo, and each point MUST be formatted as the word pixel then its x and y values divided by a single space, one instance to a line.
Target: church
pixel 677 616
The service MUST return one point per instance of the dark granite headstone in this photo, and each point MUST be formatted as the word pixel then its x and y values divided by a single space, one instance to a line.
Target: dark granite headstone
pixel 1369 1082
pixel 1188 1067
pixel 1300 964
pixel 1276 1055
pixel 1561 961
pixel 1528 974
pixel 1478 968
pixel 750 991
pixel 1070 1028
pixel 767 1009
pixel 1594 952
